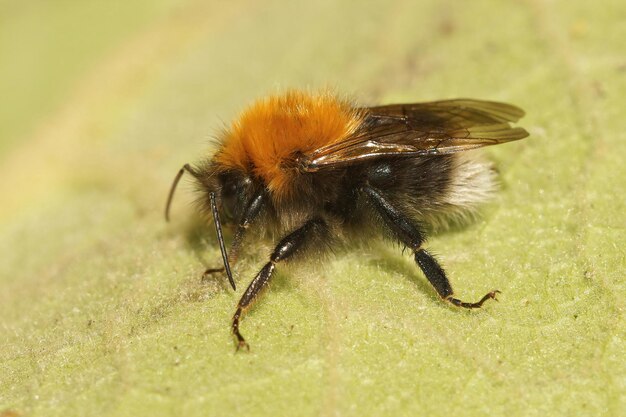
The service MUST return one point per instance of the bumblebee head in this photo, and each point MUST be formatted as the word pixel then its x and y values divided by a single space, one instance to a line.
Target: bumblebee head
pixel 223 193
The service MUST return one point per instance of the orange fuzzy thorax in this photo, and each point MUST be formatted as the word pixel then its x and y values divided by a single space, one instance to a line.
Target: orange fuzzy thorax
pixel 268 137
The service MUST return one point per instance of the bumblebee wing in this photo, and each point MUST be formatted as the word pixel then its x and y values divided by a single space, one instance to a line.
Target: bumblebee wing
pixel 434 128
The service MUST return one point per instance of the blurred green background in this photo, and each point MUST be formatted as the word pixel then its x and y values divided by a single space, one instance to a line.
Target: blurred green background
pixel 102 311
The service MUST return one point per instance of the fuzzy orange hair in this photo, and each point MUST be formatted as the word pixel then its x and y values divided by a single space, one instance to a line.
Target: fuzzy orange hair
pixel 267 137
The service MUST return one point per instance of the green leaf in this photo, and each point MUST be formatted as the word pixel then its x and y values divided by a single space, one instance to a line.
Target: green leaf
pixel 102 310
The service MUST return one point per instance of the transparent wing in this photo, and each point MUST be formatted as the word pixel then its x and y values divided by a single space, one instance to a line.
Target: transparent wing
pixel 434 128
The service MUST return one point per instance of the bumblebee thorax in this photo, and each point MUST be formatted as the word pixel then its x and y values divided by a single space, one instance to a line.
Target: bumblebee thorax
pixel 269 137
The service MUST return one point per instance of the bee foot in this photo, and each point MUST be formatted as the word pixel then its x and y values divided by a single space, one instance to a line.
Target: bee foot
pixel 479 304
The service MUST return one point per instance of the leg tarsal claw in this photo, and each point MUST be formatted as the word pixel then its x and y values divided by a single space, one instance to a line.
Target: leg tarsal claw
pixel 463 304
pixel 209 272
pixel 242 344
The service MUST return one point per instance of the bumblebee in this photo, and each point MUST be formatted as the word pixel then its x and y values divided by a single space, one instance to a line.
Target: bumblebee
pixel 316 169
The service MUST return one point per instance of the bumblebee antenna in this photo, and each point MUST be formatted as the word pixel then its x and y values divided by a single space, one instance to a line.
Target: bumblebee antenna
pixel 170 197
pixel 220 239
pixel 216 217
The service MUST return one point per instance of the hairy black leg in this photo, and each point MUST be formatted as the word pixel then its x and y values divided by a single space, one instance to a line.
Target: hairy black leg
pixel 289 246
pixel 251 212
pixel 437 277
pixel 410 234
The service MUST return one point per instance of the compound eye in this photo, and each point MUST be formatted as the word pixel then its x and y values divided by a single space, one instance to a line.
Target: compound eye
pixel 233 194
pixel 229 201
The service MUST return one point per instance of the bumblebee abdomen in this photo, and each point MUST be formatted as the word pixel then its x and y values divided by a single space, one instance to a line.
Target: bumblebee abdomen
pixel 435 189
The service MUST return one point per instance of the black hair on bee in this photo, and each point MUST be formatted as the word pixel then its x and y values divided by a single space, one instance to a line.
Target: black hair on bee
pixel 308 166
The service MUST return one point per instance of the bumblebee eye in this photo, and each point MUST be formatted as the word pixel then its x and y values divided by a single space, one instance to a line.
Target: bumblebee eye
pixel 234 189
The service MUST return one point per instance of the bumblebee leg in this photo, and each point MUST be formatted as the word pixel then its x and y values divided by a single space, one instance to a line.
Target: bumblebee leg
pixel 249 215
pixel 289 246
pixel 437 277
pixel 409 233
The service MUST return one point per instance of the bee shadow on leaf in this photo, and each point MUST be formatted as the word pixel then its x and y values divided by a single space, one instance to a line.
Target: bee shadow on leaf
pixel 201 240
pixel 393 261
